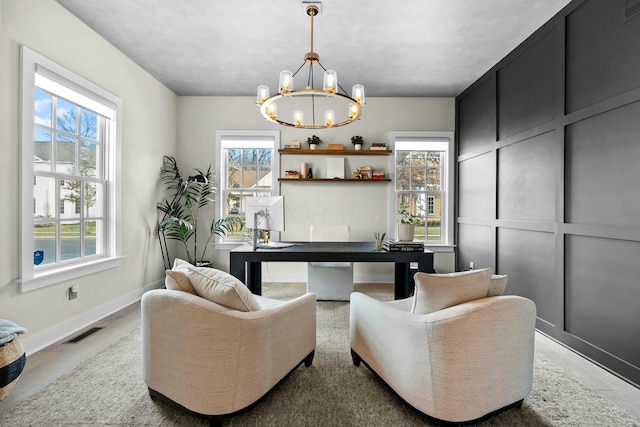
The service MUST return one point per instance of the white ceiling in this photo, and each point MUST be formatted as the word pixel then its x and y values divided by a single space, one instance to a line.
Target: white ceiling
pixel 400 48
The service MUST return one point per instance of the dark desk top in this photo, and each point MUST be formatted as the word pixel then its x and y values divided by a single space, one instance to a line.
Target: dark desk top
pixel 327 251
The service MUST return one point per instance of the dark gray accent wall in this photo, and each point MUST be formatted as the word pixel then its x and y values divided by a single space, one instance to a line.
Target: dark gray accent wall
pixel 548 179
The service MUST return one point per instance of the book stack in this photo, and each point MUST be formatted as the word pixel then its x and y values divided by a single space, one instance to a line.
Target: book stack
pixel 396 245
pixel 378 146
pixel 378 175
pixel 292 144
pixel 292 174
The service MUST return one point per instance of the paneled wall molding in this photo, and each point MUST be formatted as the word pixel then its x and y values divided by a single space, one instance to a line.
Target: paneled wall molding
pixel 548 183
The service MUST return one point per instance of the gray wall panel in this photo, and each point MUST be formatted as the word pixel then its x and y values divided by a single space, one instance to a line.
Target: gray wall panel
pixel 528 257
pixel 475 244
pixel 603 54
pixel 602 173
pixel 476 182
pixel 476 119
pixel 527 179
pixel 603 294
pixel 526 88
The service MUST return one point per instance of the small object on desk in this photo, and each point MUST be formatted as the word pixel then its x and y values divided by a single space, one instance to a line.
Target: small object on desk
pixel 379 240
pixel 395 245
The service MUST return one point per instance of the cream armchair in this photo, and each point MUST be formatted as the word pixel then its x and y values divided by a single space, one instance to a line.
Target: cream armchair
pixel 457 364
pixel 215 361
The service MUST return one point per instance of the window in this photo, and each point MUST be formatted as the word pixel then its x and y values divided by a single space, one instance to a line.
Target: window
pixel 69 137
pixel 423 177
pixel 248 167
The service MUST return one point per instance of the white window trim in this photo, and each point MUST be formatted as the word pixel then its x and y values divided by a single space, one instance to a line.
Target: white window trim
pixel 233 139
pixel 29 279
pixel 448 243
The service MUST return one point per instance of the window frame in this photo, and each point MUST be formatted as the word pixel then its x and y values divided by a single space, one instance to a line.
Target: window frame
pixel 91 96
pixel 236 139
pixel 445 138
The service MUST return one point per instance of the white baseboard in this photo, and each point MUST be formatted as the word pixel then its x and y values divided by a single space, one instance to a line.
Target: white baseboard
pixel 59 332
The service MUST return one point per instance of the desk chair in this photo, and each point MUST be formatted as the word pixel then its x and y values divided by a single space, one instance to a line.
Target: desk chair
pixel 330 280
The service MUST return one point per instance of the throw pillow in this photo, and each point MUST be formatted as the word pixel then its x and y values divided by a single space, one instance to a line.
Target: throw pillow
pixel 222 288
pixel 433 292
pixel 497 285
pixel 178 280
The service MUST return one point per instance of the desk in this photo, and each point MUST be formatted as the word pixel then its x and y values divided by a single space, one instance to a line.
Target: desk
pixel 245 263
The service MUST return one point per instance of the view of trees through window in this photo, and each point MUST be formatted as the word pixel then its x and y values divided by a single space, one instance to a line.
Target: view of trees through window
pixel 419 179
pixel 68 147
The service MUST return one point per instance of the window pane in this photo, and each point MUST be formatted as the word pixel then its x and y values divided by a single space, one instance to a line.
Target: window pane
pixel 42 107
pixel 264 171
pixel 69 240
pixel 66 116
pixel 88 124
pixel 418 158
pixel 41 150
pixel 93 197
pixel 433 179
pixel 403 158
pixel 65 154
pixel 402 178
pixel 44 195
pixel 233 203
pixel 249 169
pixel 92 229
pixel 418 179
pixel 71 197
pixel 88 159
pixel 44 243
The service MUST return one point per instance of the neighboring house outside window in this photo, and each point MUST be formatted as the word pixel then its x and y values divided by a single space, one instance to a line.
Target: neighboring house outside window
pixel 247 167
pixel 423 179
pixel 69 138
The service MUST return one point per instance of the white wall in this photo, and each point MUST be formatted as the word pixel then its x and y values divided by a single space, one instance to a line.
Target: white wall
pixel 363 206
pixel 149 131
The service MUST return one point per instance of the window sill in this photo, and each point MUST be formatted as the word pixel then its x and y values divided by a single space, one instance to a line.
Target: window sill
pixel 441 248
pixel 43 279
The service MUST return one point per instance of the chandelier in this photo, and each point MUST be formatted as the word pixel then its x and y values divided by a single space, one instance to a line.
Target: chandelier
pixel 294 102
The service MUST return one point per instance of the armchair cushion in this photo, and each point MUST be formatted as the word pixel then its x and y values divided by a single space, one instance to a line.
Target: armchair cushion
pixel 222 288
pixel 497 285
pixel 433 292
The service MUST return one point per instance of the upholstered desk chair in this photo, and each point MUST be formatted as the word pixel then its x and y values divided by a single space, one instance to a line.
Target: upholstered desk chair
pixel 215 359
pixel 330 280
pixel 460 357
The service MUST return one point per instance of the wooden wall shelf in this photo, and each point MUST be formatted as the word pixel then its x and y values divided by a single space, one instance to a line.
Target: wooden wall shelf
pixel 338 180
pixel 336 152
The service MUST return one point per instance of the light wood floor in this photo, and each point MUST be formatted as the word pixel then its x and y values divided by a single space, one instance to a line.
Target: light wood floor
pixel 47 365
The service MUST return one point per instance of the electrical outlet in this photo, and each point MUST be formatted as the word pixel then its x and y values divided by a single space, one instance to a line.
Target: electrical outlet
pixel 73 292
pixel 470 265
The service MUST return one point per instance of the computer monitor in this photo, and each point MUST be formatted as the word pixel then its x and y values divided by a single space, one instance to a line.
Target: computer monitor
pixel 265 213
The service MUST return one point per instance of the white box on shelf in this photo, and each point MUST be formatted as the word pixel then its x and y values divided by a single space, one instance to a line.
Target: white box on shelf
pixel 335 167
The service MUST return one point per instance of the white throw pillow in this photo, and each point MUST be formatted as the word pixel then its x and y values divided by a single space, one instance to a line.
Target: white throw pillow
pixel 498 285
pixel 433 292
pixel 178 280
pixel 222 288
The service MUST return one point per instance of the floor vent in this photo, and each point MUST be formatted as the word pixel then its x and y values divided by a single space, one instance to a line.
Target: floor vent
pixel 84 335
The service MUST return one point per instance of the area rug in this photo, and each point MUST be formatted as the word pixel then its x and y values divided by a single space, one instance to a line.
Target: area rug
pixel 107 390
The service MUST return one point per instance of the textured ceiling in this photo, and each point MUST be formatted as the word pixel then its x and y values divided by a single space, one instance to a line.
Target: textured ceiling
pixel 400 48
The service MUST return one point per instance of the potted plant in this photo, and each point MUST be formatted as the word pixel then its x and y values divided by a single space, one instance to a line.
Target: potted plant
pixel 181 211
pixel 406 227
pixel 357 142
pixel 313 142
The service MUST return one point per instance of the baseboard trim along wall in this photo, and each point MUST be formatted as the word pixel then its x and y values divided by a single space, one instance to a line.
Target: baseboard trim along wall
pixel 59 332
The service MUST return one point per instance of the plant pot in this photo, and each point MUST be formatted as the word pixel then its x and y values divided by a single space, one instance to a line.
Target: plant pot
pixel 406 232
pixel 312 146
pixel 358 146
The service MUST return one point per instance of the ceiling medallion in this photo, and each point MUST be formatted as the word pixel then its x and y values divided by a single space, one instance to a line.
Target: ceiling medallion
pixel 330 98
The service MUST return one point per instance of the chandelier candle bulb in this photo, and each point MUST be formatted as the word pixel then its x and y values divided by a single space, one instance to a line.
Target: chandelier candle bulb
pixel 272 110
pixel 329 117
pixel 330 81
pixel 357 93
pixel 263 94
pixel 298 117
pixel 286 81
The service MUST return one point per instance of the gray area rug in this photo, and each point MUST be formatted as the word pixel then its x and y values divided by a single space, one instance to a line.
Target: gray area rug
pixel 108 390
